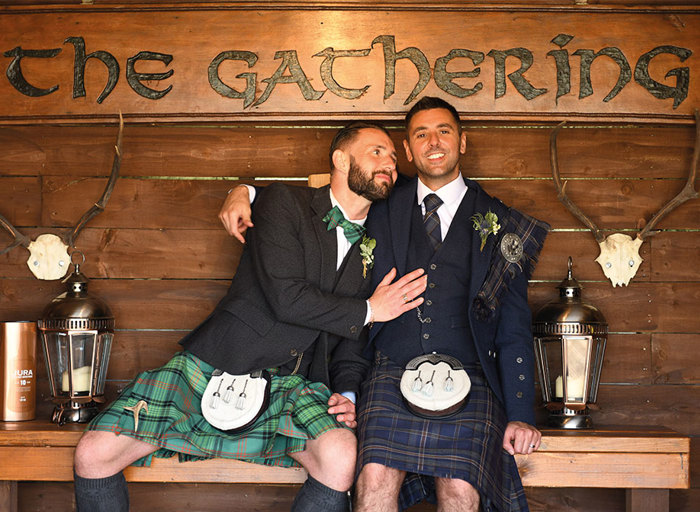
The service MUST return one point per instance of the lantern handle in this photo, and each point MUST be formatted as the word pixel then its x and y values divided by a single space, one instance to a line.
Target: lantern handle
pixel 77 265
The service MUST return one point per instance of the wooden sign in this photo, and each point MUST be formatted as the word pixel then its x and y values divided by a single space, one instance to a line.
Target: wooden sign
pixel 235 62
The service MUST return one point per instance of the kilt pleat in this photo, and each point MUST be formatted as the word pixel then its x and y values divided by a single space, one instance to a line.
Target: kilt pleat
pixel 174 422
pixel 466 446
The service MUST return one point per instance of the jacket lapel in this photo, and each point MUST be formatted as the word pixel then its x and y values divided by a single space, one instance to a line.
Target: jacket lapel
pixel 327 240
pixel 480 260
pixel 350 278
pixel 401 203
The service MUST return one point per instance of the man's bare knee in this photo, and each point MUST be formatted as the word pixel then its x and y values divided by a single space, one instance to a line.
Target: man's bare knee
pixel 456 495
pixel 330 459
pixel 377 488
pixel 102 454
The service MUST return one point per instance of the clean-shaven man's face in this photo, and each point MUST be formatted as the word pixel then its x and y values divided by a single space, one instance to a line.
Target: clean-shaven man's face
pixel 434 144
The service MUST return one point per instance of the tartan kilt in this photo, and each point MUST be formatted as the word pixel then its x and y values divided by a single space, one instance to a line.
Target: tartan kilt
pixel 174 422
pixel 467 446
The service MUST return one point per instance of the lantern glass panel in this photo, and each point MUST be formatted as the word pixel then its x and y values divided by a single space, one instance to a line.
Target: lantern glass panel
pixel 577 356
pixel 82 347
pixel 102 350
pixel 552 355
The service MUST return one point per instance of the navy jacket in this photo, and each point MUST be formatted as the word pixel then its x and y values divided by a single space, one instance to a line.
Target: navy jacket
pixel 499 316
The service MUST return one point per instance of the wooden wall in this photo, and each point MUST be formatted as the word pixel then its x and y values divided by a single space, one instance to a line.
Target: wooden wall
pixel 159 257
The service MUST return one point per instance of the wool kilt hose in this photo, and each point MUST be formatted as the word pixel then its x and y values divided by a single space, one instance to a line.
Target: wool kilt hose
pixel 174 423
pixel 467 446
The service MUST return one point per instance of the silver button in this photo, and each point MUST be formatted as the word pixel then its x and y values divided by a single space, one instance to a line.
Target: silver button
pixel 521 376
pixel 428 302
pixel 433 266
pixel 519 360
pixel 431 285
pixel 293 352
pixel 353 329
pixel 427 320
pixel 489 353
pixel 426 336
pixel 519 394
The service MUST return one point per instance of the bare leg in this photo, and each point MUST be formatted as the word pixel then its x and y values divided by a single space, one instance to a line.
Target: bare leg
pixel 102 454
pixel 330 459
pixel 456 495
pixel 378 488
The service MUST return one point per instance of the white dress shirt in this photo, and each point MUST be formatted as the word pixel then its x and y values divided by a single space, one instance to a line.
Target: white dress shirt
pixel 451 195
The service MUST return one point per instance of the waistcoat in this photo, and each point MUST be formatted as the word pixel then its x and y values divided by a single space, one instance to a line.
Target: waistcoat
pixel 441 323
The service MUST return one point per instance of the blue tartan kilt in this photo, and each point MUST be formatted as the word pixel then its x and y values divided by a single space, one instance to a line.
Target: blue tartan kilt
pixel 467 445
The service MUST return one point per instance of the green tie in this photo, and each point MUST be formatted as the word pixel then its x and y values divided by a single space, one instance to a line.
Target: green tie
pixel 334 218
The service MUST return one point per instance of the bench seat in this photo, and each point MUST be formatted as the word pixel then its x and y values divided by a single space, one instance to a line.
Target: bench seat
pixel 647 461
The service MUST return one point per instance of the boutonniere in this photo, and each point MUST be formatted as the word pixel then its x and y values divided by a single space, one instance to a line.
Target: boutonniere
pixel 366 247
pixel 485 225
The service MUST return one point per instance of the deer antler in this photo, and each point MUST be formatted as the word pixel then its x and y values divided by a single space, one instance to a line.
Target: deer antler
pixel 20 239
pixel 688 191
pixel 48 253
pixel 561 194
pixel 100 205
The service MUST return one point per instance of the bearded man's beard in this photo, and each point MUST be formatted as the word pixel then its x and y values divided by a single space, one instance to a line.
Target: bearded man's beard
pixel 365 186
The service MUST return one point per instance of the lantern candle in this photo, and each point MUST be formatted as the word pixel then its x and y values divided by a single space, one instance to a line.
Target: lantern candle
pixel 81 379
pixel 558 388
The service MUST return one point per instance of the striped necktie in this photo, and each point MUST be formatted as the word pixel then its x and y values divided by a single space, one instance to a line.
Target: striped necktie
pixel 431 221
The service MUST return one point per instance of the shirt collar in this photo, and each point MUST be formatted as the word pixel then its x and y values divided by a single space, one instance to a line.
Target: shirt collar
pixel 334 202
pixel 449 193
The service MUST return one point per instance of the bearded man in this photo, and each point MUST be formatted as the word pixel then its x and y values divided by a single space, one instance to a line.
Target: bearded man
pixel 296 308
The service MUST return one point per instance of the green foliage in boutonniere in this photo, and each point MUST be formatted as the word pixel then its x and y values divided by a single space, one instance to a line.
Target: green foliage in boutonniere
pixel 485 225
pixel 366 248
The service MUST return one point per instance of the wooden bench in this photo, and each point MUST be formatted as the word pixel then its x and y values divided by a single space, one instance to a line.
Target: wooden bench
pixel 645 461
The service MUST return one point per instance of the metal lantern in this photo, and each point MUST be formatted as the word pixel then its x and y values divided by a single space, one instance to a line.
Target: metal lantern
pixel 76 331
pixel 570 338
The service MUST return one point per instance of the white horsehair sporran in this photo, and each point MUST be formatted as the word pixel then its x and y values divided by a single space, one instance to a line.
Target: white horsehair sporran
pixel 232 403
pixel 435 385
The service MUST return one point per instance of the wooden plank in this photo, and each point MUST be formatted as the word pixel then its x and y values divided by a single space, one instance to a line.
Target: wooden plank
pixel 142 254
pixel 243 150
pixel 170 253
pixel 603 470
pixel 620 457
pixel 125 32
pixel 647 500
pixel 8 496
pixel 182 304
pixel 674 256
pixel 20 198
pixel 582 247
pixel 675 358
pixel 138 304
pixel 649 301
pixel 156 203
pixel 628 356
pixel 673 405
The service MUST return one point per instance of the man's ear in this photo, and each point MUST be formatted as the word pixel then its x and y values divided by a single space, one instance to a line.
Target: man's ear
pixel 463 143
pixel 340 161
pixel 406 147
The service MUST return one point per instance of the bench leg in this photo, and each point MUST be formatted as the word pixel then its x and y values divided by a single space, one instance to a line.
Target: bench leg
pixel 647 500
pixel 8 496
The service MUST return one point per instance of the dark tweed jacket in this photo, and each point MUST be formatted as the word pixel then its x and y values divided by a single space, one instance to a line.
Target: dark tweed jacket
pixel 286 296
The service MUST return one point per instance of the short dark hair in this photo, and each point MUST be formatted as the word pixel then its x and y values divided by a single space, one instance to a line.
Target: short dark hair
pixel 348 133
pixel 429 103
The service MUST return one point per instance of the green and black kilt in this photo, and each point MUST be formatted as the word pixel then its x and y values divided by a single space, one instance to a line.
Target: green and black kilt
pixel 174 423
pixel 467 446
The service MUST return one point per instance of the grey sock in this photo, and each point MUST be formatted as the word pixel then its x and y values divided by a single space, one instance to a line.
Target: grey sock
pixel 314 497
pixel 108 494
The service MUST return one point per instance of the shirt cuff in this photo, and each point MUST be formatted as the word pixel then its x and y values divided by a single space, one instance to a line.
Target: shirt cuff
pixel 251 192
pixel 368 316
pixel 350 395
